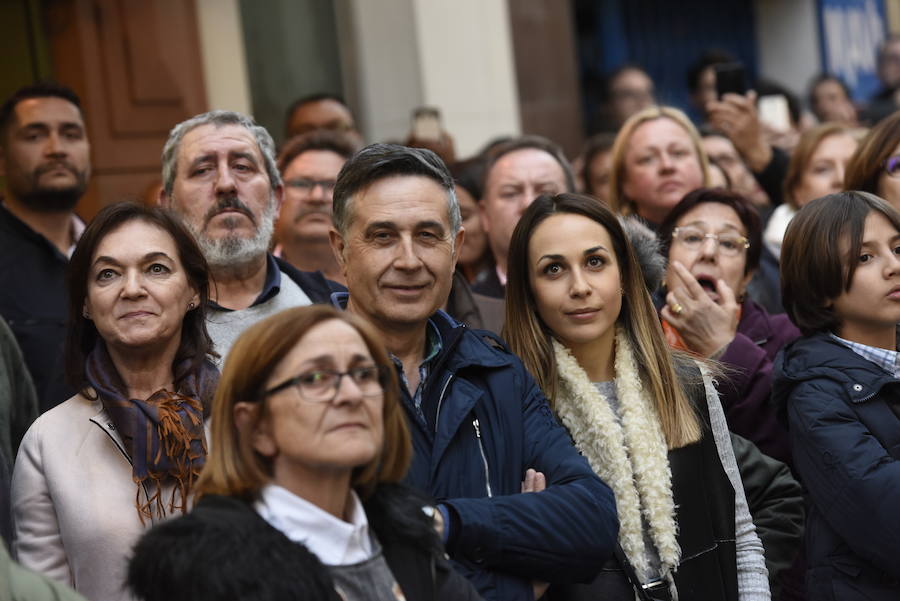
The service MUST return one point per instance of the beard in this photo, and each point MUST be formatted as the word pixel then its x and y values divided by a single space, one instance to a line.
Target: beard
pixel 233 252
pixel 51 199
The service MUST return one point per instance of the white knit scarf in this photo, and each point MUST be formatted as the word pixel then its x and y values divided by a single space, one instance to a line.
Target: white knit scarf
pixel 631 457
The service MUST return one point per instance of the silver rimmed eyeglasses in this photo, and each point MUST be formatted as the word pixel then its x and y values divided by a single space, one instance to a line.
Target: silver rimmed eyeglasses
pixel 728 244
pixel 322 385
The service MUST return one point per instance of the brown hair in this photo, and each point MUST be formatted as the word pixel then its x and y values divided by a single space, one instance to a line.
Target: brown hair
pixel 530 338
pixel 617 199
pixel 82 335
pixel 807 145
pixel 233 467
pixel 865 166
pixel 340 143
pixel 745 211
pixel 818 256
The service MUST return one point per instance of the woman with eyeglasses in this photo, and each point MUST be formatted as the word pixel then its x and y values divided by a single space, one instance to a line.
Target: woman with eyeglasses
pixel 308 447
pixel 875 166
pixel 817 168
pixel 712 242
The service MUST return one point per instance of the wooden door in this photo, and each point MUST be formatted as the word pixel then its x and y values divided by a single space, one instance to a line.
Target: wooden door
pixel 136 65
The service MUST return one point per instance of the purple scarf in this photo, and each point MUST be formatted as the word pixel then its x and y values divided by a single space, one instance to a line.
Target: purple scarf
pixel 163 435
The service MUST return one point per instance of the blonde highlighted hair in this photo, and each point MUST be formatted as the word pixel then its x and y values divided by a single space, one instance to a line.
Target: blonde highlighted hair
pixel 617 171
pixel 233 467
pixel 530 338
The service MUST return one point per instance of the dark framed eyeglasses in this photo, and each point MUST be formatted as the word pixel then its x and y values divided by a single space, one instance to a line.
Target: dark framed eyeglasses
pixel 322 385
pixel 308 185
pixel 891 166
pixel 728 244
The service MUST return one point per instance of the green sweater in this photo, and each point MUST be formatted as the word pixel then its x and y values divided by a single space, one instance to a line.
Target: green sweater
pixel 18 400
pixel 18 584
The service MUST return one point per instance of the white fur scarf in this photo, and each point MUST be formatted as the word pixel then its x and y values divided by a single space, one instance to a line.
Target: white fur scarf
pixel 631 457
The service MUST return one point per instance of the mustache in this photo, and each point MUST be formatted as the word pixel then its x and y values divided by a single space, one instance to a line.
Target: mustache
pixel 300 214
pixel 229 202
pixel 52 165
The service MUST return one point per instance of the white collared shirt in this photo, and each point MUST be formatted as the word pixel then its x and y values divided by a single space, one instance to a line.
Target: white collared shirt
pixel 334 541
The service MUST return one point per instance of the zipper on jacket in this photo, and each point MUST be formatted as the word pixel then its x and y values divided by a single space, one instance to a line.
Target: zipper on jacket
pixel 127 458
pixel 437 417
pixel 487 470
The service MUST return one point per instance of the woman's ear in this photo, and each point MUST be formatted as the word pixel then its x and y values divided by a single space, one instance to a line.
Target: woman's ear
pixel 255 428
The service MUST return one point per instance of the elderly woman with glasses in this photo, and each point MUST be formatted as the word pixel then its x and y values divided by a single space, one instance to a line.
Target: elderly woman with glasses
pixel 712 242
pixel 308 446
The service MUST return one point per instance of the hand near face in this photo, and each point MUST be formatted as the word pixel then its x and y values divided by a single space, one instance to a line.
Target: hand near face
pixel 705 325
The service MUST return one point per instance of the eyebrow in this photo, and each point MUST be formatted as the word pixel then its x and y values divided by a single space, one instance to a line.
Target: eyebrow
pixel 586 252
pixel 243 155
pixel 393 226
pixel 894 238
pixel 148 257
pixel 329 359
pixel 701 222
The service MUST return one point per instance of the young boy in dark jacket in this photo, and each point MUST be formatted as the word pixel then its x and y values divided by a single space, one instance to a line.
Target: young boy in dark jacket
pixel 840 386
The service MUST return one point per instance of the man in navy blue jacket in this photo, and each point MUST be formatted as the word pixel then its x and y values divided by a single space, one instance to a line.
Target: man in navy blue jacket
pixel 477 419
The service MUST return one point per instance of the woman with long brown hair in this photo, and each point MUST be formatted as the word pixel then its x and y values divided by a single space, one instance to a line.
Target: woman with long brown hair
pixel 650 423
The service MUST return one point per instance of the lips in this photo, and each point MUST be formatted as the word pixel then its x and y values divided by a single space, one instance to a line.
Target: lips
pixel 582 313
pixel 894 294
pixel 133 314
pixel 55 166
pixel 670 186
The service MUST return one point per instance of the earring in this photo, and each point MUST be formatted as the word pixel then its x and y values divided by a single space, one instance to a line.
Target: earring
pixel 190 306
pixel 84 314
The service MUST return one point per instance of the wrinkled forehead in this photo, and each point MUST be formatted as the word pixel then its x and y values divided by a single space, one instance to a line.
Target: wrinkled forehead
pixel 713 216
pixel 211 140
pixel 530 164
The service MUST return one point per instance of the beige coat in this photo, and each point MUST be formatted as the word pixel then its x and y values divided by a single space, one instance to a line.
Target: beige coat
pixel 74 500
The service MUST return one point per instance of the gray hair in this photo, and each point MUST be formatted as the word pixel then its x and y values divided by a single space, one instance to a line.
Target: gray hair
pixel 218 118
pixel 378 161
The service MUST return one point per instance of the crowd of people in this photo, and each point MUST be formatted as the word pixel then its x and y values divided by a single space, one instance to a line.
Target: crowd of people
pixel 666 369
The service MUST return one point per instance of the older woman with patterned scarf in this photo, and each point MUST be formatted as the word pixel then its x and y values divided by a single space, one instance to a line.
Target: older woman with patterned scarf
pixel 96 471
pixel 650 423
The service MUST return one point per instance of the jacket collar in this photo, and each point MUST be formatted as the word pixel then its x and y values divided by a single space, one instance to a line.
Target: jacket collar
pixel 821 356
pixel 462 346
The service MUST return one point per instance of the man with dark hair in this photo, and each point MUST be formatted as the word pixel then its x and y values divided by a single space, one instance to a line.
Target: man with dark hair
pixel 517 503
pixel 219 173
pixel 629 90
pixel 45 162
pixel 309 164
pixel 319 111
pixel 518 171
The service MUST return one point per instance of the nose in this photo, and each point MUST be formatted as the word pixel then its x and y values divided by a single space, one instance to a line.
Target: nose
pixel 892 266
pixel 838 182
pixel 665 162
pixel 132 284
pixel 224 179
pixel 579 285
pixel 709 249
pixel 407 259
pixel 54 146
pixel 348 390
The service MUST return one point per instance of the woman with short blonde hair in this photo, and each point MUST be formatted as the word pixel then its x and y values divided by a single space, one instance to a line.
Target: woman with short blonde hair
pixel 657 158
